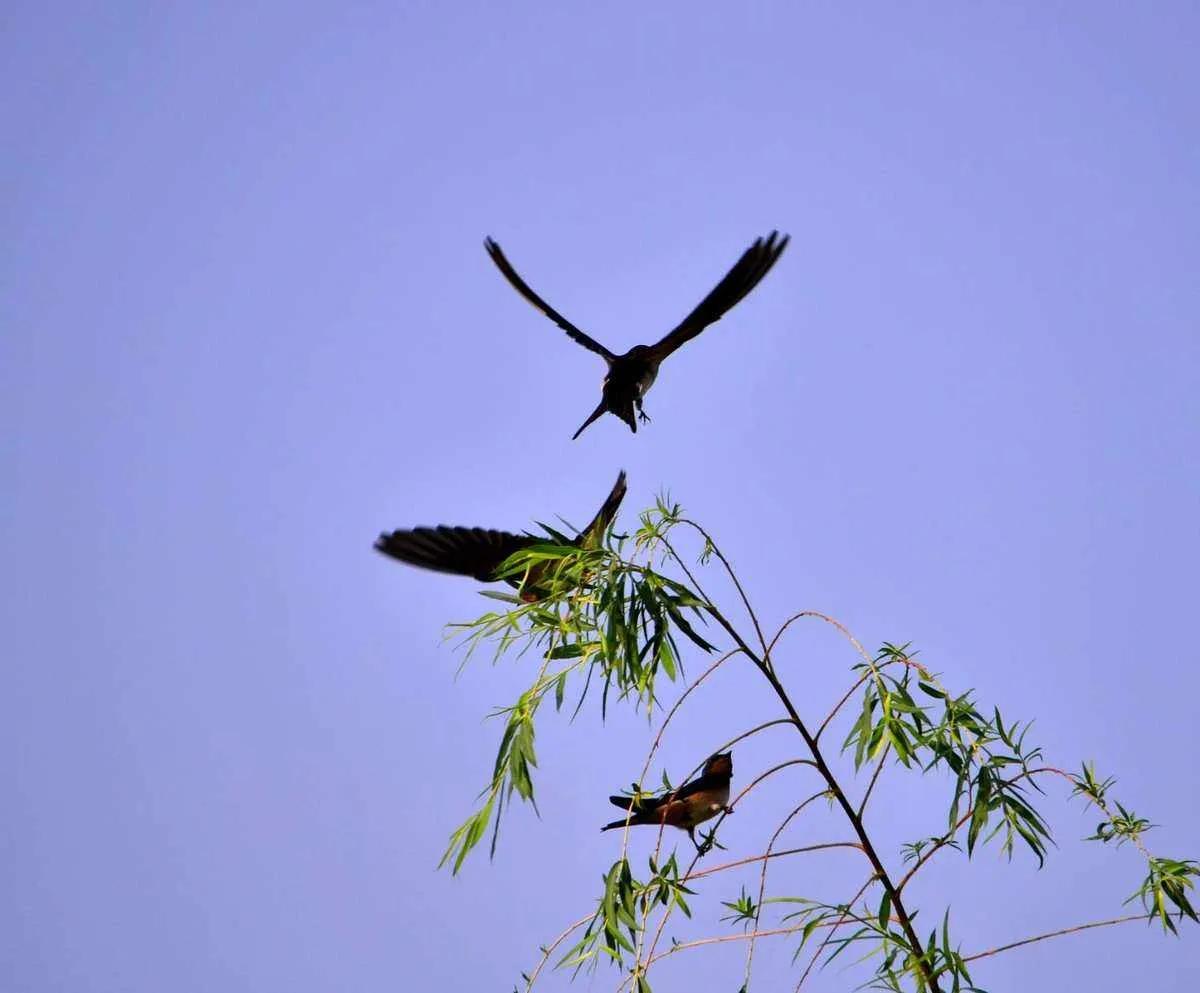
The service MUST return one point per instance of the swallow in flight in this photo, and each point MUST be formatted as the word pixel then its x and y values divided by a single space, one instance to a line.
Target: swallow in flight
pixel 693 803
pixel 631 375
pixel 479 552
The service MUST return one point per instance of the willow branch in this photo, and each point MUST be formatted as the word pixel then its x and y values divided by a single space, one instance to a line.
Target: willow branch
pixel 948 837
pixel 846 915
pixel 762 879
pixel 691 869
pixel 730 807
pixel 1056 934
pixel 549 950
pixel 770 855
pixel 834 622
pixel 736 582
pixel 843 701
pixel 725 938
pixel 874 778
pixel 841 798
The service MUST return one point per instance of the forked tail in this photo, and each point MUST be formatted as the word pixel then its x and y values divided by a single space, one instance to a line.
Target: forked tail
pixel 591 417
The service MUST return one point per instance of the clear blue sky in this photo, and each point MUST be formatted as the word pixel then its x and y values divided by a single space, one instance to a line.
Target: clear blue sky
pixel 248 322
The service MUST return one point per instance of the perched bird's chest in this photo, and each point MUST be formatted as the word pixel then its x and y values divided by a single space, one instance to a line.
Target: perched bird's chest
pixel 699 807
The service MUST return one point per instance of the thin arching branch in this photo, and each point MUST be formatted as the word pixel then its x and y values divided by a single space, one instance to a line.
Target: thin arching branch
pixel 736 582
pixel 762 878
pixel 691 873
pixel 843 801
pixel 759 778
pixel 1056 934
pixel 948 837
pixel 770 855
pixel 726 938
pixel 549 949
pixel 874 779
pixel 834 929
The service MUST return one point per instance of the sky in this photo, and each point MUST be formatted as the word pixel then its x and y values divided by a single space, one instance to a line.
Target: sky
pixel 249 323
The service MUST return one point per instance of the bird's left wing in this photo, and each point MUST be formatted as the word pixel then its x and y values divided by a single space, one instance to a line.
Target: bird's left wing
pixel 476 552
pixel 522 287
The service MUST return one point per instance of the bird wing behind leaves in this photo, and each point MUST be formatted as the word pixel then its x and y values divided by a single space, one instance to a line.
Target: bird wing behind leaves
pixel 594 532
pixel 643 805
pixel 746 274
pixel 475 552
pixel 522 287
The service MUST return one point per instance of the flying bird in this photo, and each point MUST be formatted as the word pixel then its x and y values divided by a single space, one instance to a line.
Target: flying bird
pixel 479 552
pixel 631 375
pixel 693 803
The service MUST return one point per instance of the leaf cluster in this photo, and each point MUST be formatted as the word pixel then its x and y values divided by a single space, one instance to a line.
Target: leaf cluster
pixel 604 619
pixel 991 764
pixel 898 962
pixel 1164 891
pixel 613 930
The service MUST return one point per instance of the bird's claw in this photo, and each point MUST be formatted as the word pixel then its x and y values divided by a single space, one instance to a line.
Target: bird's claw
pixel 707 845
pixel 643 416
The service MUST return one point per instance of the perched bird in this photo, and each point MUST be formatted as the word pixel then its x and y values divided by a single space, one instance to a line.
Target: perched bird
pixel 693 803
pixel 480 552
pixel 632 374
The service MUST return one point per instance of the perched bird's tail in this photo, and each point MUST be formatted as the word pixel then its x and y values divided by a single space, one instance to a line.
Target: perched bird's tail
pixel 620 824
pixel 591 417
pixel 608 510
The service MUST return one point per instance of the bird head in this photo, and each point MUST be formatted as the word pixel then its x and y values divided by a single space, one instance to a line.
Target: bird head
pixel 720 764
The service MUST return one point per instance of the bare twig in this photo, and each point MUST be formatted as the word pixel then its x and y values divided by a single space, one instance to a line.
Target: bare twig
pixel 828 620
pixel 770 855
pixel 1056 934
pixel 549 950
pixel 874 778
pixel 770 772
pixel 726 938
pixel 762 879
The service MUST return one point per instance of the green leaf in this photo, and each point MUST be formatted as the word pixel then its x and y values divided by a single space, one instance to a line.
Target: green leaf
pixel 885 910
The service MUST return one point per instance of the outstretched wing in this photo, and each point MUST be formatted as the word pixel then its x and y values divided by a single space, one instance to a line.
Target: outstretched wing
pixel 473 552
pixel 755 263
pixel 522 287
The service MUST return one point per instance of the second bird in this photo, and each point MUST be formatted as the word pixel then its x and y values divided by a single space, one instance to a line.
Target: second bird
pixel 693 803
pixel 631 375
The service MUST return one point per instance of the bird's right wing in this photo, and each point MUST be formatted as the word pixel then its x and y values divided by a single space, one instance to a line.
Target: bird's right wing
pixel 746 274
pixel 522 287
pixel 698 785
pixel 476 552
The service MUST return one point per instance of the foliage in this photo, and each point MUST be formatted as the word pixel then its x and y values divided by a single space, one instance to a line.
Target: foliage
pixel 614 621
